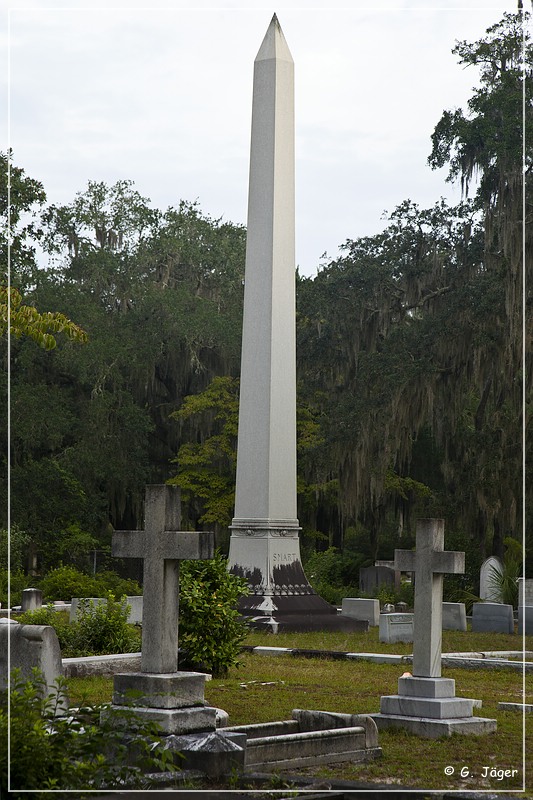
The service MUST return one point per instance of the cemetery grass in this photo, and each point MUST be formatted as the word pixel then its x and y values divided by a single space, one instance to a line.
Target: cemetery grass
pixel 266 688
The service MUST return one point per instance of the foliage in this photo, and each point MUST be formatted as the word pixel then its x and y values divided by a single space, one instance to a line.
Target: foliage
pixel 505 581
pixel 100 628
pixel 23 320
pixel 81 751
pixel 65 582
pixel 16 581
pixel 18 541
pixel 210 628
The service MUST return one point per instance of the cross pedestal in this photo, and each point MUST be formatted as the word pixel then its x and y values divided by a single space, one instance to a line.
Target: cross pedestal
pixel 173 699
pixel 426 702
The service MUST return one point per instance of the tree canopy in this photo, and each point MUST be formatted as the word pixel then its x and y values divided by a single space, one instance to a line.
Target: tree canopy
pixel 411 372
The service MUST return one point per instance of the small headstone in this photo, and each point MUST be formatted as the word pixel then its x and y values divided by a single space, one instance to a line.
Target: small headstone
pixel 388 608
pixel 487 578
pixel 396 628
pixel 525 592
pixel 32 599
pixel 372 578
pixel 492 618
pixel 31 646
pixel 361 608
pixel 135 603
pixel 401 608
pixel 525 620
pixel 453 617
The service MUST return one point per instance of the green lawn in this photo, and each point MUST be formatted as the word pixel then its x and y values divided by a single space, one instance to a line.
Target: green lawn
pixel 265 688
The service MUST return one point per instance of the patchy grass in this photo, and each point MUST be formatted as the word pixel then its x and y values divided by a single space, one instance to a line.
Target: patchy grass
pixel 452 641
pixel 266 688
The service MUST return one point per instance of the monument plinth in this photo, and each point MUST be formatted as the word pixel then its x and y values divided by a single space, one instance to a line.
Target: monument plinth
pixel 264 545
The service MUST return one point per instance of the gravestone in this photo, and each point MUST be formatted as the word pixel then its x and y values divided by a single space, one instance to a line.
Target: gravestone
pixel 492 618
pixel 487 574
pixel 372 578
pixel 396 627
pixel 30 647
pixel 135 603
pixel 426 703
pixel 525 592
pixel 32 599
pixel 525 620
pixel 453 617
pixel 361 608
pixel 159 692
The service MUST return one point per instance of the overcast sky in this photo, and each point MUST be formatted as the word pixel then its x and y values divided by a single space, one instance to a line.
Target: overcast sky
pixel 162 96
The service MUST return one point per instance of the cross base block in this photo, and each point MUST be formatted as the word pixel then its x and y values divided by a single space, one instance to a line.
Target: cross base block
pixel 159 690
pixel 435 728
pixel 432 707
pixel 410 686
pixel 170 720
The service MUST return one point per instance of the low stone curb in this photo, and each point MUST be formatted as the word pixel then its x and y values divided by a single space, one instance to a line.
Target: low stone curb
pixel 477 662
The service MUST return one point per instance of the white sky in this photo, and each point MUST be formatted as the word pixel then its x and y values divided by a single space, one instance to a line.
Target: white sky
pixel 162 96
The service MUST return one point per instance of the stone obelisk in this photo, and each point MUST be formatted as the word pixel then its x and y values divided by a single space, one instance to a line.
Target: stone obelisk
pixel 264 545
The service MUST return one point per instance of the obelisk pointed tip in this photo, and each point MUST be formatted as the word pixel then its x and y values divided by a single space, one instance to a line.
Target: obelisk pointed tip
pixel 274 44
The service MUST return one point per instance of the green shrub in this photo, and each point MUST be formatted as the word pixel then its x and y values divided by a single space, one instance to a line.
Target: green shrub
pixel 65 582
pixel 79 752
pixel 103 628
pixel 210 628
pixel 19 581
pixel 100 629
pixel 59 622
pixel 110 581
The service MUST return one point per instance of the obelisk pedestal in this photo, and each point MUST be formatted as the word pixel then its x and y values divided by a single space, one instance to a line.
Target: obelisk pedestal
pixel 264 545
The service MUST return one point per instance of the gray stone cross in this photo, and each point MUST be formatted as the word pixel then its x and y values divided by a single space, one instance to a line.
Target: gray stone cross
pixel 162 546
pixel 429 562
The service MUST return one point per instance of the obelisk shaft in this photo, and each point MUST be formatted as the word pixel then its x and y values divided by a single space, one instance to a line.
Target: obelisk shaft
pixel 266 461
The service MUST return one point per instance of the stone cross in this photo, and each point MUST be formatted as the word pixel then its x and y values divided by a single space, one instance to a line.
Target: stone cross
pixel 162 546
pixel 429 562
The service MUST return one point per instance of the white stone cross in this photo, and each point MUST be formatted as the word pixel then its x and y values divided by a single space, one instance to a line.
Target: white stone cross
pixel 429 562
pixel 162 546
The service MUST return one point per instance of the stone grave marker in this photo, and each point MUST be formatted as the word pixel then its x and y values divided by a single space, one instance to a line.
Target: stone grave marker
pixel 396 627
pixel 487 572
pixel 525 592
pixel 172 698
pixel 32 599
pixel 371 578
pixel 426 703
pixel 492 617
pixel 453 617
pixel 362 608
pixel 29 647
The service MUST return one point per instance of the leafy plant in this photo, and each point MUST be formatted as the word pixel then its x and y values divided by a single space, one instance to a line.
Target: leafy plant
pixel 100 628
pixel 505 581
pixel 210 628
pixel 67 581
pixel 81 751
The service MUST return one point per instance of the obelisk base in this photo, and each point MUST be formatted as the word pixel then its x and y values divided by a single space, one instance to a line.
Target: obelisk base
pixel 267 555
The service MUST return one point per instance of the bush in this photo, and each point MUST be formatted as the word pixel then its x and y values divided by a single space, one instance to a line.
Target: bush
pixel 66 582
pixel 210 628
pixel 71 753
pixel 19 581
pixel 100 629
pixel 103 628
